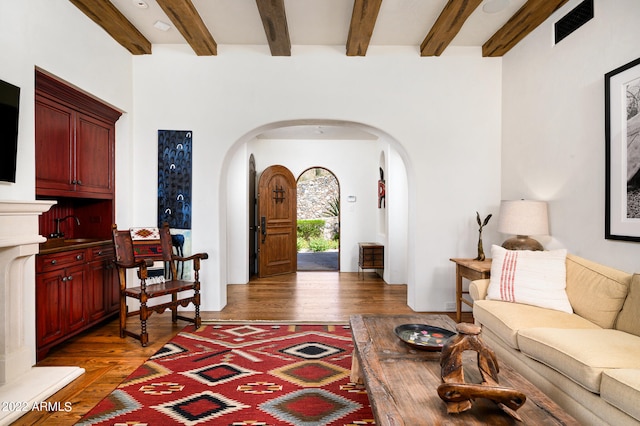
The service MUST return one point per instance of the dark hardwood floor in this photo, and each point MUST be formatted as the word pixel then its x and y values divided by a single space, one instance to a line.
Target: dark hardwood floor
pixel 305 296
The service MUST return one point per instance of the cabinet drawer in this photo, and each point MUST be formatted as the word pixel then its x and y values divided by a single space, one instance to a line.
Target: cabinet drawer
pixel 101 253
pixel 51 262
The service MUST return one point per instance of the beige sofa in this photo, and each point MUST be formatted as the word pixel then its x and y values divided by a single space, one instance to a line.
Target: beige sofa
pixel 588 361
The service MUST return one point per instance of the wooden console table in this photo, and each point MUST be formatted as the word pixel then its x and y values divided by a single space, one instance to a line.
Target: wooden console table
pixel 402 383
pixel 470 269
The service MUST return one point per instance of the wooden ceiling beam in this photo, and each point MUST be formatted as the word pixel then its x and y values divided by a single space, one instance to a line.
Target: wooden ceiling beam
pixel 447 26
pixel 185 17
pixel 363 20
pixel 274 20
pixel 525 20
pixel 105 14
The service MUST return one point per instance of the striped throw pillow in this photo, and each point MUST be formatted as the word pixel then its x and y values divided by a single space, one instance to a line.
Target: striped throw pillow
pixel 537 278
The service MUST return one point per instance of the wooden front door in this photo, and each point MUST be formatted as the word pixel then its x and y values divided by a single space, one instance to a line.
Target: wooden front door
pixel 253 221
pixel 277 211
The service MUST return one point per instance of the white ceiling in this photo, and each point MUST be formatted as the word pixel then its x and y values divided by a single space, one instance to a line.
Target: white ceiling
pixel 320 22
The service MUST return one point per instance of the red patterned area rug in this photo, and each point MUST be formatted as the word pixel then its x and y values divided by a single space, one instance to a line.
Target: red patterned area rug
pixel 251 374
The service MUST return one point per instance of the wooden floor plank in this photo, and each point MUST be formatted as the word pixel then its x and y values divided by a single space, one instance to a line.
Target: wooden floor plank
pixel 305 296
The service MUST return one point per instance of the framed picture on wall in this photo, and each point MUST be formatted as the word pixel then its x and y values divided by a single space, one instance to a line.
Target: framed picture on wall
pixel 622 152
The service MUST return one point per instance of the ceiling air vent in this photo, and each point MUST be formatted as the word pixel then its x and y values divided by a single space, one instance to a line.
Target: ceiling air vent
pixel 574 20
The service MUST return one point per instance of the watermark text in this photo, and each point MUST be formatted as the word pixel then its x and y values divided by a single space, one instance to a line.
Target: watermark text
pixel 25 406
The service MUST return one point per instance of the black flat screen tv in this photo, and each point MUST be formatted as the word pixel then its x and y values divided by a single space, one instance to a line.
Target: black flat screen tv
pixel 9 109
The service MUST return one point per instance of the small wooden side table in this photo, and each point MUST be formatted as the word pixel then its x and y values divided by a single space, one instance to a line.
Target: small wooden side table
pixel 470 269
pixel 370 256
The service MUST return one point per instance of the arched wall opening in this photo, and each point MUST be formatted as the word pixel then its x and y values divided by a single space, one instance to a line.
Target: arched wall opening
pixel 353 152
pixel 318 199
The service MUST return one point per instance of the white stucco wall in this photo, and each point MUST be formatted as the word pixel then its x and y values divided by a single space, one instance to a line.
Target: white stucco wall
pixel 442 113
pixel 393 221
pixel 553 126
pixel 446 125
pixel 355 164
pixel 469 130
pixel 56 37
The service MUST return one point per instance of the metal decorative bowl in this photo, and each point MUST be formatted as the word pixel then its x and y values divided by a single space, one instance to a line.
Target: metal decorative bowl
pixel 422 336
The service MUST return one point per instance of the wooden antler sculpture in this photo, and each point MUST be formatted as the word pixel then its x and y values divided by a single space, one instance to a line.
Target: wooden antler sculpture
pixel 481 224
pixel 459 395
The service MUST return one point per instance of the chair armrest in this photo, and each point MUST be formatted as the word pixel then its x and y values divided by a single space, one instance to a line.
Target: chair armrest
pixel 478 289
pixel 144 263
pixel 141 265
pixel 195 257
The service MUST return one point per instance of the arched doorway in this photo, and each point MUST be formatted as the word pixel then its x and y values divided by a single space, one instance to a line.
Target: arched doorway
pixel 301 144
pixel 318 220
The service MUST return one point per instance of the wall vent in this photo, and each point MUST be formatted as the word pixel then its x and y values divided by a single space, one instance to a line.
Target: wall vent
pixel 573 20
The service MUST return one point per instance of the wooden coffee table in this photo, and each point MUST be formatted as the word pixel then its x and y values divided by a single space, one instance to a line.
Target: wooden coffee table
pixel 402 382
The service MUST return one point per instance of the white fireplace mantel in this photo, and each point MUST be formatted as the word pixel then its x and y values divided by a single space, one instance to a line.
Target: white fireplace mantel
pixel 20 381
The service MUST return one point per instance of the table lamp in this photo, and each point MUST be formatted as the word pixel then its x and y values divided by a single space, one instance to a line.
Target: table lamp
pixel 523 218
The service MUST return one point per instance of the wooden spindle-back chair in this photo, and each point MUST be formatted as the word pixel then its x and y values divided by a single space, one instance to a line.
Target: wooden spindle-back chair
pixel 140 248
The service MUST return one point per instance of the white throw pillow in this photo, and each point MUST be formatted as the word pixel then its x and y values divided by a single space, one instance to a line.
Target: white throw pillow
pixel 537 278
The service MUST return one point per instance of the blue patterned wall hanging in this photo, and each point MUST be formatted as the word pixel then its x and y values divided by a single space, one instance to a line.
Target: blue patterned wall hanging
pixel 174 178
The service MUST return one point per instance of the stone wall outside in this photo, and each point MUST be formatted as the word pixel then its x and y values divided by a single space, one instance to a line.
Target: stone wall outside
pixel 314 196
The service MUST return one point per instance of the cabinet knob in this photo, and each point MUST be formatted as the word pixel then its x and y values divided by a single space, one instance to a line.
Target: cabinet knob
pixel 79 257
pixel 100 253
pixel 79 182
pixel 53 262
pixel 64 279
pixel 70 277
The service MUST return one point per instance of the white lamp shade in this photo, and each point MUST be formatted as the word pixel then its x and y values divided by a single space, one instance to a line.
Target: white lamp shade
pixel 523 217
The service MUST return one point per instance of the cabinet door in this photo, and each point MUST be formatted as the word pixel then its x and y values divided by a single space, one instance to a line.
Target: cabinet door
pixel 104 287
pixel 112 281
pixel 49 307
pixel 95 288
pixel 76 312
pixel 54 145
pixel 94 155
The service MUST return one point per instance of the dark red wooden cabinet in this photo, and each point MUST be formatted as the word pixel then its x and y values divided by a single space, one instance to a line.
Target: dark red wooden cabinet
pixel 59 296
pixel 103 288
pixel 76 287
pixel 74 151
pixel 54 145
pixel 94 143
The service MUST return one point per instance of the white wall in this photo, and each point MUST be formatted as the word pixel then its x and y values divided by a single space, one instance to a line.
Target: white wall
pixel 355 165
pixel 553 126
pixel 351 161
pixel 56 37
pixel 395 215
pixel 446 126
pixel 548 110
